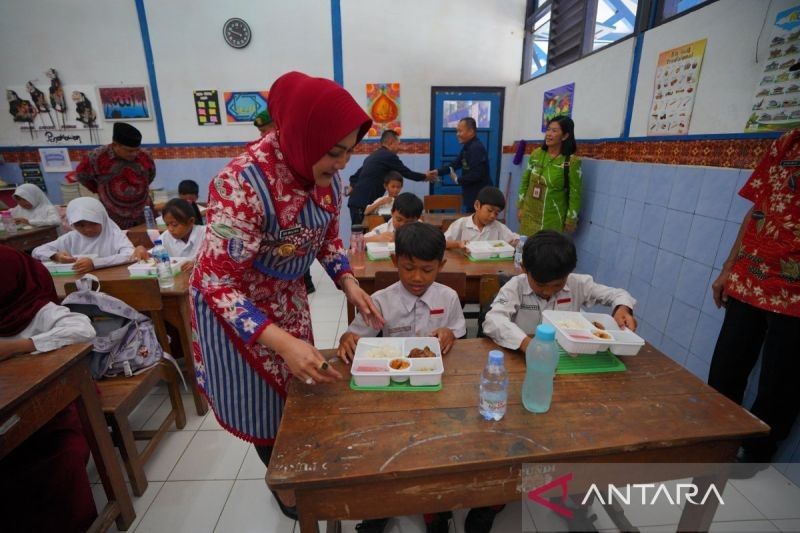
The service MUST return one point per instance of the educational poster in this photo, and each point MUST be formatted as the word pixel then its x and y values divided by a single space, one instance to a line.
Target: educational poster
pixel 776 105
pixel 125 103
pixel 243 107
pixel 206 108
pixel 558 101
pixel 674 89
pixel 55 159
pixel 383 105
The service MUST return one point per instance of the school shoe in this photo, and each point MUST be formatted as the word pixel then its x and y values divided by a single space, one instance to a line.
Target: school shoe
pixel 376 525
pixel 480 520
pixel 440 523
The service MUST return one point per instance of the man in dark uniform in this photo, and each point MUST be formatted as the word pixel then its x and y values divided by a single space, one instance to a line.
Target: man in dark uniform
pixel 367 182
pixel 473 162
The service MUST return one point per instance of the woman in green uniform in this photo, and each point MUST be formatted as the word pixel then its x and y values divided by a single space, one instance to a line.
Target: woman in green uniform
pixel 550 189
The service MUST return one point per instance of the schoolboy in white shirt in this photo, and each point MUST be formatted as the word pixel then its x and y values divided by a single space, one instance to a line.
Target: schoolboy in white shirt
pixel 407 207
pixel 548 259
pixel 393 183
pixel 482 225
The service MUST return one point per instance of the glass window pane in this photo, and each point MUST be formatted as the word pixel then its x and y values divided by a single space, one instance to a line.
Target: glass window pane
pixel 615 19
pixel 455 110
pixel 683 5
pixel 540 44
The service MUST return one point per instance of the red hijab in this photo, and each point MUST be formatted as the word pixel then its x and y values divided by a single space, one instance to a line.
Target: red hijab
pixel 311 116
pixel 26 287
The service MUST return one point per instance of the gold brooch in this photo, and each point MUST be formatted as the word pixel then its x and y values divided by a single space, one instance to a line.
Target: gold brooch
pixel 285 250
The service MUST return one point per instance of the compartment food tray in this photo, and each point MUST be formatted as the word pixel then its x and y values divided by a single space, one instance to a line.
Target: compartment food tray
pixel 148 269
pixel 577 332
pixel 370 367
pixel 378 251
pixel 484 250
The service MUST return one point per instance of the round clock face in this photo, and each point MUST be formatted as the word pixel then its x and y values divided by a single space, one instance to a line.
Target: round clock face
pixel 236 32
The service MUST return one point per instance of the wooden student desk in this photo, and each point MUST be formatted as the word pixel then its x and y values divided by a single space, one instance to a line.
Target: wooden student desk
pixel 352 455
pixel 177 312
pixel 35 388
pixel 26 240
pixel 457 261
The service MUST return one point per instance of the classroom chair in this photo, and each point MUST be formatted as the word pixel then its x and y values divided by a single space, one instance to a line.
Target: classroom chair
pixel 372 221
pixel 487 290
pixel 455 280
pixel 442 202
pixel 120 396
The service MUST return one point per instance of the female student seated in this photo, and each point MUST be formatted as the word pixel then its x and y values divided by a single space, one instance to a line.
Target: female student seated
pixel 183 237
pixel 33 207
pixel 93 233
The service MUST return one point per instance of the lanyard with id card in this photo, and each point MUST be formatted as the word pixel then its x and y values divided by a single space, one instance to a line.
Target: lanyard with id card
pixel 791 182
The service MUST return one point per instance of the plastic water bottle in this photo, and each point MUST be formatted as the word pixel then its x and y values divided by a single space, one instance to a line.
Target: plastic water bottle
pixel 163 265
pixel 8 223
pixel 541 358
pixel 149 219
pixel 357 246
pixel 494 387
pixel 518 253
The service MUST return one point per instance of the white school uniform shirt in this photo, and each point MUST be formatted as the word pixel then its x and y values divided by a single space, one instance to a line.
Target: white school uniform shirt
pixel 42 212
pixel 178 248
pixel 386 227
pixel 406 315
pixel 112 246
pixel 464 229
pixel 516 310
pixel 55 326
pixel 385 209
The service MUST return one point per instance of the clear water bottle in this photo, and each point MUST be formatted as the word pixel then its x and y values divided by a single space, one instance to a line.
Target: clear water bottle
pixel 357 246
pixel 163 265
pixel 7 223
pixel 149 219
pixel 494 387
pixel 541 358
pixel 518 253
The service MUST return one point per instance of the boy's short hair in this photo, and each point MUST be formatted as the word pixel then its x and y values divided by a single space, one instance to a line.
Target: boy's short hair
pixel 392 175
pixel 491 196
pixel 549 255
pixel 180 209
pixel 188 187
pixel 470 123
pixel 421 241
pixel 389 134
pixel 409 205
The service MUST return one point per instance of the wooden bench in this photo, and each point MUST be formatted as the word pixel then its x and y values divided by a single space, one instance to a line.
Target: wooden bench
pixel 442 202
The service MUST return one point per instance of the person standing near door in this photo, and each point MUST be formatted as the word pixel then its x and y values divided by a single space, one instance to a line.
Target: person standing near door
pixel 550 188
pixel 473 161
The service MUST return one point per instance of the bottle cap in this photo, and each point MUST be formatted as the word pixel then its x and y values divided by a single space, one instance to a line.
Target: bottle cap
pixel 157 242
pixel 545 332
pixel 357 228
pixel 496 355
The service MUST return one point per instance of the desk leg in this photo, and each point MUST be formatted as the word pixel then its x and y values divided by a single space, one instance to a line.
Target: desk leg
pixel 177 312
pixel 699 517
pixel 351 312
pixel 99 439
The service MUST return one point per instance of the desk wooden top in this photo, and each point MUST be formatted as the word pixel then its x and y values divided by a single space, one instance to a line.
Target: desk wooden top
pixel 23 233
pixel 331 435
pixel 22 376
pixel 120 272
pixel 457 261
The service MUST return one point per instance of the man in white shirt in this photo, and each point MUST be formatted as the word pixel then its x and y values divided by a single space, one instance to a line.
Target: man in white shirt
pixel 482 225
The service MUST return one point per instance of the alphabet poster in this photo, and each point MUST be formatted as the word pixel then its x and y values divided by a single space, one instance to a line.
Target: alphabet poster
pixel 674 89
pixel 206 108
pixel 383 106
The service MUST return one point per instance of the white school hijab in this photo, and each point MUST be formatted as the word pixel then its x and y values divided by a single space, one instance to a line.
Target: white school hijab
pixel 41 207
pixel 104 245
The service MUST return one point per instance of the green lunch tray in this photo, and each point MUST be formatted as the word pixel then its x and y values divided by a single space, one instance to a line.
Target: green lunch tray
pixel 490 259
pixel 397 387
pixel 61 274
pixel 371 258
pixel 596 363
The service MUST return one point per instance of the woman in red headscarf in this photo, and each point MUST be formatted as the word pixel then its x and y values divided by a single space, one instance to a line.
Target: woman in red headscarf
pixel 271 212
pixel 43 483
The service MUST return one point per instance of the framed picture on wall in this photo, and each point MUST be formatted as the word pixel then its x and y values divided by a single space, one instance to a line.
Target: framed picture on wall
pixel 125 103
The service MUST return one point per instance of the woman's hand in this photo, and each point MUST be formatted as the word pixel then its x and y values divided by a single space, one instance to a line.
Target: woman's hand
pixel 362 302
pixel 140 253
pixel 187 266
pixel 718 287
pixel 570 226
pixel 624 317
pixel 83 265
pixel 63 257
pixel 347 346
pixel 519 215
pixel 305 362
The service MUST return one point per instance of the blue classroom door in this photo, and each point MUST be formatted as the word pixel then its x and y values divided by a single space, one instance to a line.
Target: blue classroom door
pixel 448 106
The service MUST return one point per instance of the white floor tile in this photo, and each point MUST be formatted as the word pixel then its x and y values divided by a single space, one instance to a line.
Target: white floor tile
pixel 772 494
pixel 140 504
pixel 193 420
pixel 251 508
pixel 186 506
pixel 210 455
pixel 166 455
pixel 145 410
pixel 753 526
pixel 737 508
pixel 210 423
pixel 787 525
pixel 252 467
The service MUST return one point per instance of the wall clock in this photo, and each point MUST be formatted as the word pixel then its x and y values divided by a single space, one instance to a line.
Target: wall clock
pixel 236 32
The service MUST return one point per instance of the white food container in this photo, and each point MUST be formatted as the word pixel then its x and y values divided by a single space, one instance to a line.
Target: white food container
pixel 64 267
pixel 576 333
pixel 490 249
pixel 380 250
pixel 370 366
pixel 148 268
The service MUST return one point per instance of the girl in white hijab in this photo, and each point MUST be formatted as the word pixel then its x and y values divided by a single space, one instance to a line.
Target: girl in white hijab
pixel 33 207
pixel 93 233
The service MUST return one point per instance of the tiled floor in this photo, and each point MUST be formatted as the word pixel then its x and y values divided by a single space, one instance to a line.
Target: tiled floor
pixel 202 479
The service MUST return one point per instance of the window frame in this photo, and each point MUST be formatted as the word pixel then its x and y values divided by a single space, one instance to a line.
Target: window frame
pixel 661 4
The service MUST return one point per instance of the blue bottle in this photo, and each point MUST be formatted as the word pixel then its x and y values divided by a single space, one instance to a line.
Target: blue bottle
pixel 494 387
pixel 541 358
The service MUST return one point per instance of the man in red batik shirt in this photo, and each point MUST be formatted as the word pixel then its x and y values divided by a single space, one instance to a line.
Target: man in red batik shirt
pixel 760 287
pixel 121 174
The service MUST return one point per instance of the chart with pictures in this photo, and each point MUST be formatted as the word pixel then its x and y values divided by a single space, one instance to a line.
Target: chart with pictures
pixel 675 87
pixel 776 105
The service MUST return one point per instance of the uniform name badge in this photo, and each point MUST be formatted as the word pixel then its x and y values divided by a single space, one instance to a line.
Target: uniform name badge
pixel 537 192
